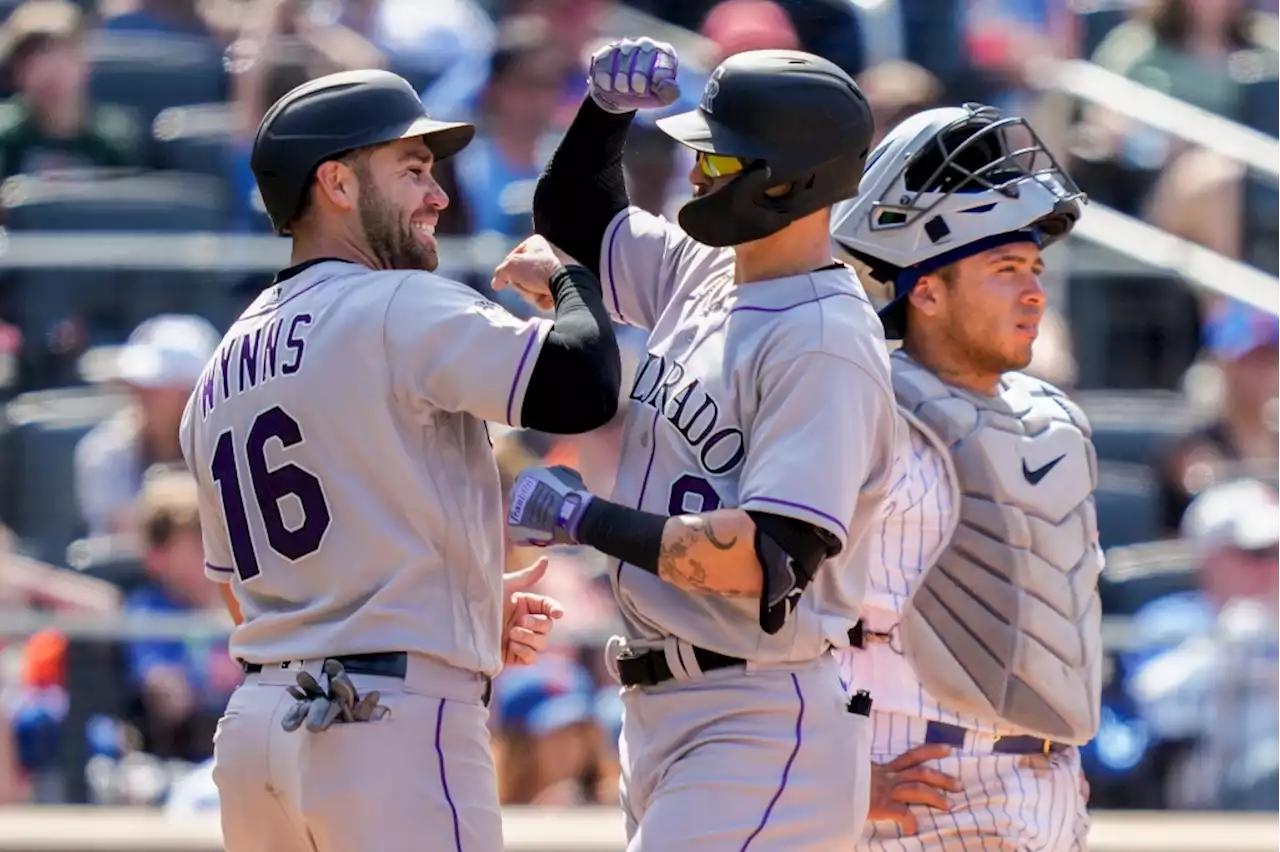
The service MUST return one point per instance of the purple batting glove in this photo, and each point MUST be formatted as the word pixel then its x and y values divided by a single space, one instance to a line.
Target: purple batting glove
pixel 634 74
pixel 547 505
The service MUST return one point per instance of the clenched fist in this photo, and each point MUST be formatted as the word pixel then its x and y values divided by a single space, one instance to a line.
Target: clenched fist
pixel 633 74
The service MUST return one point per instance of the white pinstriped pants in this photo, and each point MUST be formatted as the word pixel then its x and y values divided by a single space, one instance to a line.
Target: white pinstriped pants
pixel 1010 802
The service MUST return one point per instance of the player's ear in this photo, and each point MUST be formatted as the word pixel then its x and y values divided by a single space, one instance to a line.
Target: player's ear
pixel 929 295
pixel 336 182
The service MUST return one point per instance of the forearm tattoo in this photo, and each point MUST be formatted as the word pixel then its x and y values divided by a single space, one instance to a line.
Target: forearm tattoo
pixel 678 563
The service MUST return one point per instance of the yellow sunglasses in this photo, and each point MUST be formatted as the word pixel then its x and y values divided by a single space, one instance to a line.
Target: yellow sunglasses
pixel 720 165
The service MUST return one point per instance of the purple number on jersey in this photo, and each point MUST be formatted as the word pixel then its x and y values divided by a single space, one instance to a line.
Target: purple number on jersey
pixel 269 487
pixel 692 486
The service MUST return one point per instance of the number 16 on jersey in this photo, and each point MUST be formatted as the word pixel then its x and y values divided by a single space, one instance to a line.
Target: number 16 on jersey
pixel 269 487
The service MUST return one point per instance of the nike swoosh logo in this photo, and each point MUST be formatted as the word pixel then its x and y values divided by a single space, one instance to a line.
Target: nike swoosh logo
pixel 1034 476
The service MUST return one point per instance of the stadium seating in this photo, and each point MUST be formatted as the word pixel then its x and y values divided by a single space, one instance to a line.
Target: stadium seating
pixel 114 559
pixel 147 72
pixel 194 139
pixel 1139 573
pixel 1132 329
pixel 108 302
pixel 44 428
pixel 1126 501
pixel 1136 426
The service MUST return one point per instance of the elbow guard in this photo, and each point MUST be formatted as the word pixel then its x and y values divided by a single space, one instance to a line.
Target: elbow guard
pixel 785 579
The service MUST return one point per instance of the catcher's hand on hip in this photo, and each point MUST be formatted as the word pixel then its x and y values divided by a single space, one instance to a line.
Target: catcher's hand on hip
pixel 527 618
pixel 632 74
pixel 528 269
pixel 903 782
pixel 547 504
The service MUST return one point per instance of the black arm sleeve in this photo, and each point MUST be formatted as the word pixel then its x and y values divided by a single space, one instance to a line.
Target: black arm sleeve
pixel 575 381
pixel 583 186
pixel 807 544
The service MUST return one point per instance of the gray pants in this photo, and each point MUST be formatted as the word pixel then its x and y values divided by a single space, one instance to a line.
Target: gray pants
pixel 421 778
pixel 766 759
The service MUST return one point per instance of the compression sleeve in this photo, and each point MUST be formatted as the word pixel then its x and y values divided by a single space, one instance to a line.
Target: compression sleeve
pixel 583 186
pixel 575 381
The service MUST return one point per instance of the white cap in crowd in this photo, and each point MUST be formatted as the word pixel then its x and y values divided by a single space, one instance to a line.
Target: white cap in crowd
pixel 1243 513
pixel 167 351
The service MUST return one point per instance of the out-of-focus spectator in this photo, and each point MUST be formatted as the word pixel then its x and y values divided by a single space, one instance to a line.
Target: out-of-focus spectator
pixel 735 26
pixel 571 27
pixel 1209 678
pixel 1244 344
pixel 1199 197
pixel 548 743
pixel 895 91
pixel 421 41
pixel 280 46
pixel 183 685
pixel 1198 51
pixel 49 124
pixel 1006 37
pixel 493 178
pixel 159 365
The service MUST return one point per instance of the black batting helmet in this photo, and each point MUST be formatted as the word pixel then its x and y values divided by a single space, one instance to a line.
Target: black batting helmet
pixel 330 116
pixel 796 119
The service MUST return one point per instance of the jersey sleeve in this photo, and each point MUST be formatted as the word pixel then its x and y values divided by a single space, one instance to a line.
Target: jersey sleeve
pixel 643 261
pixel 453 349
pixel 822 433
pixel 218 563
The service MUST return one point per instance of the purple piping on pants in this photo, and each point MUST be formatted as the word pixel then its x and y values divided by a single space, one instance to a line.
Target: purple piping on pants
pixel 444 781
pixel 786 771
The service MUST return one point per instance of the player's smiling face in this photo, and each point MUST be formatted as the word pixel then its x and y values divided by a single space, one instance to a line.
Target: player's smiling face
pixel 989 310
pixel 400 204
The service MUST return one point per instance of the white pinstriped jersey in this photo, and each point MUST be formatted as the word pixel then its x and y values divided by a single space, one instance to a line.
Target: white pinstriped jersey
pixel 914 520
pixel 1007 801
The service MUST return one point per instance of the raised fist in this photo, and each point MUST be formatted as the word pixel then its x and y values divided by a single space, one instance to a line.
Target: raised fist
pixel 633 74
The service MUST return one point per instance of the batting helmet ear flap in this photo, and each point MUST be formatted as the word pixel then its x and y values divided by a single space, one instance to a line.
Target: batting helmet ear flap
pixel 738 212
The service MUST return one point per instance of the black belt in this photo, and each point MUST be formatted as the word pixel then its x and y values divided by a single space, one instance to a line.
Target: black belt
pixel 953 735
pixel 650 668
pixel 385 664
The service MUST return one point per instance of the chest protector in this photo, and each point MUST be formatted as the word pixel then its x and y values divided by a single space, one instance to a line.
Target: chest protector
pixel 1005 624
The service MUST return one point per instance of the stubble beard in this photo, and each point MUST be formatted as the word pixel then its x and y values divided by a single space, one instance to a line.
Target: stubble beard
pixel 391 241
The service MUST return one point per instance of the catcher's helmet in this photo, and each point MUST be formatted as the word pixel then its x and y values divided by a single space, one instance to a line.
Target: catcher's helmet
pixel 330 116
pixel 945 184
pixel 794 118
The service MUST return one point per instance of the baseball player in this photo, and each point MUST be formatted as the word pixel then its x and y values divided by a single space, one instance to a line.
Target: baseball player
pixel 739 518
pixel 981 635
pixel 349 497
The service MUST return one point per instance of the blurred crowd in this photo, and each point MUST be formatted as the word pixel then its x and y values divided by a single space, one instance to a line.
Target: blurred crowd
pixel 108 103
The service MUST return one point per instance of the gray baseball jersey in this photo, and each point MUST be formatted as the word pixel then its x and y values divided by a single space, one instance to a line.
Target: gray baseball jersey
pixel 347 486
pixel 773 396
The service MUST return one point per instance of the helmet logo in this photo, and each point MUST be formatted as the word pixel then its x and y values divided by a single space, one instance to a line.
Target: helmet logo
pixel 710 92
